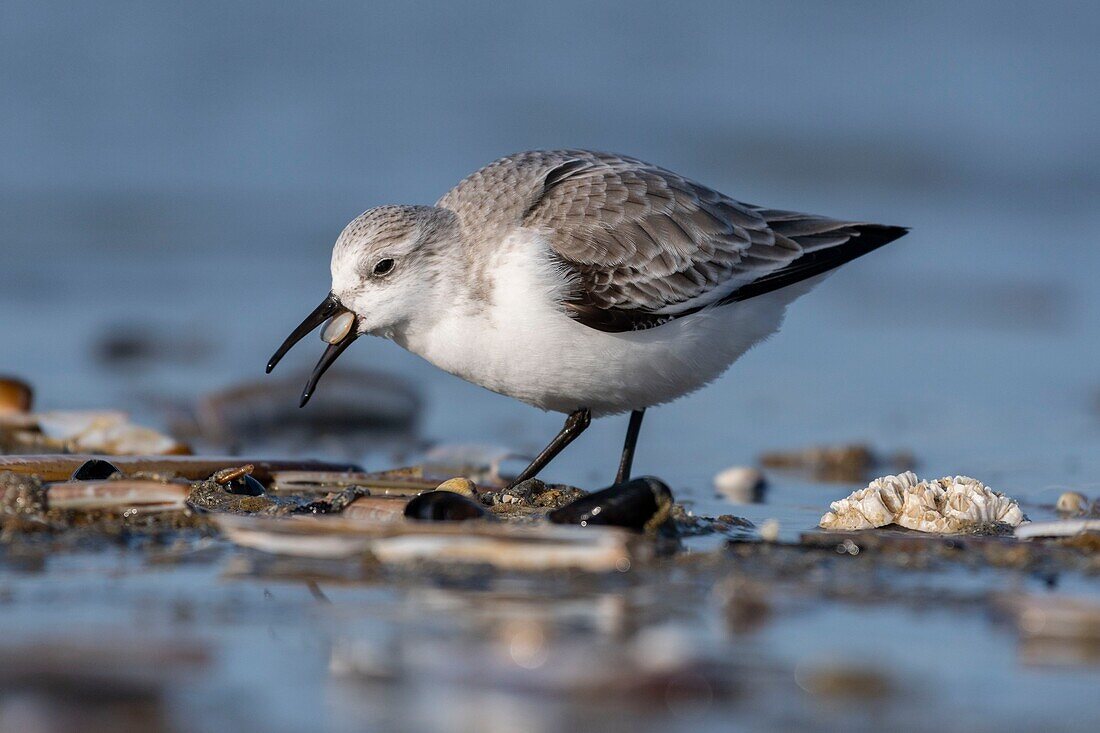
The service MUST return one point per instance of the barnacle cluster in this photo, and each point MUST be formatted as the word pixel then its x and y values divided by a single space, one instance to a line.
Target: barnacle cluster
pixel 945 505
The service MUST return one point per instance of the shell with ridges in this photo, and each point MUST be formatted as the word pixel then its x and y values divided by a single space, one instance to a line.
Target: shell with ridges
pixel 946 505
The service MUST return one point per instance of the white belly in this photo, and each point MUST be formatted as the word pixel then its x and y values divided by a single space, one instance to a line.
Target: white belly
pixel 526 347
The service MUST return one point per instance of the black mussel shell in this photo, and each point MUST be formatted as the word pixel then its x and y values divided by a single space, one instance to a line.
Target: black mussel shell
pixel 642 503
pixel 245 486
pixel 95 469
pixel 443 506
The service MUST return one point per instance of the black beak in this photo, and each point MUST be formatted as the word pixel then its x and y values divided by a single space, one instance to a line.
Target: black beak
pixel 329 307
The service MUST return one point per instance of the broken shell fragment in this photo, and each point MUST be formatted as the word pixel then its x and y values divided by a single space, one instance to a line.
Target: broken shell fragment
pixel 122 495
pixel 226 475
pixel 1060 528
pixel 376 509
pixel 395 482
pixel 95 469
pixel 946 505
pixel 338 327
pixel 1072 502
pixel 643 504
pixel 500 545
pixel 16 395
pixel 459 485
pixel 443 506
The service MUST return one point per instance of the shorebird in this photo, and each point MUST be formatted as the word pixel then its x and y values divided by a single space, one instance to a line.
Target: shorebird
pixel 576 281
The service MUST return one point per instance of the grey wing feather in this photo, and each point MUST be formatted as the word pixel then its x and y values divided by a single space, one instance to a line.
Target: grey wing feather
pixel 647 245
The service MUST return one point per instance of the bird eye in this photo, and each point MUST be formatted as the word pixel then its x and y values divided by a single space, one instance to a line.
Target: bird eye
pixel 383 267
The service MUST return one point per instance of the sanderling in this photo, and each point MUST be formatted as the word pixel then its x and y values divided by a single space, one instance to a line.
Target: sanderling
pixel 581 282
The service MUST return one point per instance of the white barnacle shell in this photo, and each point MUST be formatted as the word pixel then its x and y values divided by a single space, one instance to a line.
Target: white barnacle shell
pixel 946 505
pixel 875 506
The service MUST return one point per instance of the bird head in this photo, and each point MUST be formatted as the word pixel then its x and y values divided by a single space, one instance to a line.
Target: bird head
pixel 384 272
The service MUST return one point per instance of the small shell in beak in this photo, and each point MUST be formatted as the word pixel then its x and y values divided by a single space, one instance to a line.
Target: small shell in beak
pixel 338 327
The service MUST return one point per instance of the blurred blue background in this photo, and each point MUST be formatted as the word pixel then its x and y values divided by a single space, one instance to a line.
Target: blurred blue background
pixel 185 168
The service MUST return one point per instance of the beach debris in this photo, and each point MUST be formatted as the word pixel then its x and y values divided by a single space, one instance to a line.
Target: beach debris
pixel 243 495
pixel 534 493
pixel 837 463
pixel 127 495
pixel 642 504
pixel 376 509
pixel 523 547
pixel 80 431
pixel 1057 528
pixel 1072 502
pixel 16 396
pixel 60 467
pixel 95 469
pixel 741 484
pixel 459 485
pixel 946 505
pixel 265 413
pixel 443 506
pixel 336 502
pixel 530 548
pixel 232 473
pixel 395 482
pixel 239 480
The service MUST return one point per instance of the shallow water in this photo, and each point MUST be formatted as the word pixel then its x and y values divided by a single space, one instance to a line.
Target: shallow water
pixel 185 171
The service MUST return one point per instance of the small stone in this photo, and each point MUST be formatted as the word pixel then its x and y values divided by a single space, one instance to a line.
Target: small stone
pixel 16 395
pixel 459 485
pixel 741 484
pixel 95 469
pixel 1072 502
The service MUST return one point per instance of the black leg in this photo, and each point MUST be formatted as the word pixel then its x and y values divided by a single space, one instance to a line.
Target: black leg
pixel 632 431
pixel 575 424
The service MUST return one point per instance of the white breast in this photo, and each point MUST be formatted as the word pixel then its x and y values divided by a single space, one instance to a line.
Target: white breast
pixel 524 345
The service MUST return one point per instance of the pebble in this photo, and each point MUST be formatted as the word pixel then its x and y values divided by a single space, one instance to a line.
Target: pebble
pixel 459 485
pixel 15 395
pixel 741 484
pixel 95 469
pixel 1072 502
